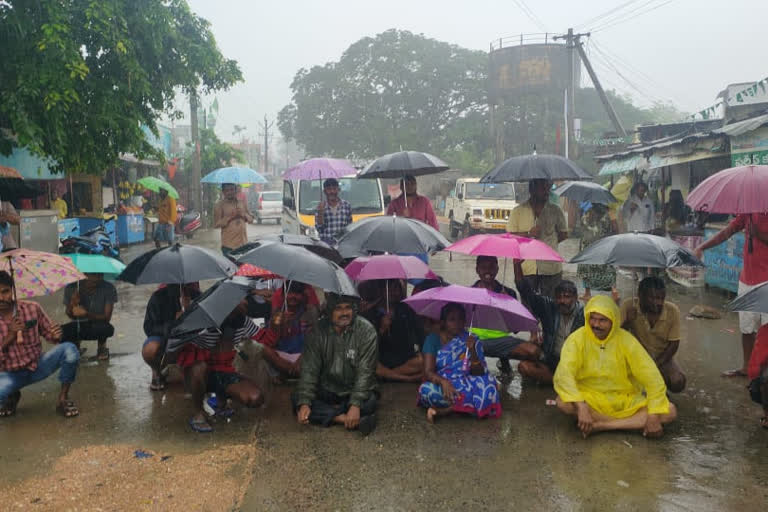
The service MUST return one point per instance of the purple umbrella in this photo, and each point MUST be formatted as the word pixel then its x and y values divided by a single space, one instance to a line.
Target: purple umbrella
pixel 320 169
pixel 485 309
pixel 388 266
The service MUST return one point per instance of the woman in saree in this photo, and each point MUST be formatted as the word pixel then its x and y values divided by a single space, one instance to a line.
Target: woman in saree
pixel 456 375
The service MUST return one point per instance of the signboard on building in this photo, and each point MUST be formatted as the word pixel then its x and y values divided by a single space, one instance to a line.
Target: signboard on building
pixel 750 148
pixel 528 68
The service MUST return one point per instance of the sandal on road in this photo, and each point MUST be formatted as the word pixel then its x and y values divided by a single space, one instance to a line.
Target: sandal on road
pixel 158 384
pixel 201 426
pixel 9 406
pixel 102 354
pixel 68 409
pixel 738 372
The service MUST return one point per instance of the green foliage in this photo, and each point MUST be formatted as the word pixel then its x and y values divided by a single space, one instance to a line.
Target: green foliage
pixel 78 78
pixel 214 153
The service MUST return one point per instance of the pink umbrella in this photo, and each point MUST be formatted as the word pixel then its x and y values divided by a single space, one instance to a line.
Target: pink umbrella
pixel 38 273
pixel 506 245
pixel 388 266
pixel 739 190
pixel 320 169
pixel 484 308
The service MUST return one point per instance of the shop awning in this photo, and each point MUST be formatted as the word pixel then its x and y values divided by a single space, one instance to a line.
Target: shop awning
pixel 622 165
pixel 742 127
pixel 658 161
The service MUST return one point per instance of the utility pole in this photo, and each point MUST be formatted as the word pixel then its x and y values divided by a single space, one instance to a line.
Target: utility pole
pixel 600 92
pixel 196 200
pixel 265 131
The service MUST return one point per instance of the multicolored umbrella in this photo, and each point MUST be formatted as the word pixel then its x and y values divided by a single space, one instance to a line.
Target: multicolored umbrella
pixel 236 175
pixel 506 245
pixel 37 273
pixel 484 308
pixel 155 184
pixel 10 172
pixel 738 190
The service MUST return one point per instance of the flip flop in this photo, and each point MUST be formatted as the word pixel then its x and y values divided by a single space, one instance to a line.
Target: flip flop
pixel 67 409
pixel 8 408
pixel 738 372
pixel 158 384
pixel 200 426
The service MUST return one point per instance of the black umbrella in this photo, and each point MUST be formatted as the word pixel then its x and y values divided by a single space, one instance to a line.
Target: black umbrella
pixel 385 233
pixel 14 188
pixel 637 250
pixel 177 264
pixel 298 264
pixel 397 165
pixel 580 191
pixel 754 301
pixel 314 245
pixel 535 167
pixel 211 308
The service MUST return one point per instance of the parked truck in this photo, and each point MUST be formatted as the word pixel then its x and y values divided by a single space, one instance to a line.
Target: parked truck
pixel 474 207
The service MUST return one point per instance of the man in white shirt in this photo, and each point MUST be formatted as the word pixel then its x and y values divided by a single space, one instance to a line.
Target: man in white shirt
pixel 638 211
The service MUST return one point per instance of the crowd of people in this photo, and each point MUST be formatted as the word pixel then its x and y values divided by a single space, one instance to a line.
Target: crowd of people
pixel 611 362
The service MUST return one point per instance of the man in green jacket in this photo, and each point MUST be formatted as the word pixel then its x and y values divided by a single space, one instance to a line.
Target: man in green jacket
pixel 338 370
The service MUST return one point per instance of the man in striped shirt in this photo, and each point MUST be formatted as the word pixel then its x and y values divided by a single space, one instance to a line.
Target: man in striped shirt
pixel 22 361
pixel 208 365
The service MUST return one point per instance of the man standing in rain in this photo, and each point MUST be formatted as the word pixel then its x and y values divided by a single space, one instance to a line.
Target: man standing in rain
pixel 656 325
pixel 540 219
pixel 410 204
pixel 334 214
pixel 338 370
pixel 22 361
pixel 231 215
pixel 606 378
pixel 638 212
pixel 166 219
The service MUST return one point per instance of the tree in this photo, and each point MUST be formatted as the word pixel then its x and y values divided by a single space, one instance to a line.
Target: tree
pixel 396 90
pixel 79 78
pixel 215 154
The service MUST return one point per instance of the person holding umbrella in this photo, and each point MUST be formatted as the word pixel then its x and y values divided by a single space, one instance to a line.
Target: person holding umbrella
pixel 338 370
pixel 333 214
pixel 539 218
pixel 412 205
pixel 21 359
pixel 596 225
pixel 90 303
pixel 166 219
pixel 232 216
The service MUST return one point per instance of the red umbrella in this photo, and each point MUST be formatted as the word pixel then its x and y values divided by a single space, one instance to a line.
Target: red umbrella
pixel 248 270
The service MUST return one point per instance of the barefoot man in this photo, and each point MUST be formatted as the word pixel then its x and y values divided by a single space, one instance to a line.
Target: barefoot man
pixel 607 379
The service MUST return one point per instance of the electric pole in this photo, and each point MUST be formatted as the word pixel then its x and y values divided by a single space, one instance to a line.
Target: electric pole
pixel 195 198
pixel 265 131
pixel 600 92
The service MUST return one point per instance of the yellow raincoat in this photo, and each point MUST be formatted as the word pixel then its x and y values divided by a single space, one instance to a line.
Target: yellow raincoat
pixel 610 374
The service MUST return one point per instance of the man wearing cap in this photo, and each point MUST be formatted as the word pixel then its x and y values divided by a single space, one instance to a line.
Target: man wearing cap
pixel 334 214
pixel 410 204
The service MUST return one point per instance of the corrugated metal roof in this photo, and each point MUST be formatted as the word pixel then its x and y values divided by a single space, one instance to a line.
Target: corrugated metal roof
pixel 742 127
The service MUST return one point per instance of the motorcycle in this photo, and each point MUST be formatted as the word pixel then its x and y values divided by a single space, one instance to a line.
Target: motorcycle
pixel 93 241
pixel 187 222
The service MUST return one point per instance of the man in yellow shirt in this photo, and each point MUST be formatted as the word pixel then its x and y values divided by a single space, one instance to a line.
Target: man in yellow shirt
pixel 540 219
pixel 607 379
pixel 59 205
pixel 166 220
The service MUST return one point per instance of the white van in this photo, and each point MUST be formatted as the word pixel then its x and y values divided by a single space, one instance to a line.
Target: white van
pixel 300 200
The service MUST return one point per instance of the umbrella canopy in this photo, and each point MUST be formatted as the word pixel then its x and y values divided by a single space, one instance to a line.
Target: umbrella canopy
pixel 534 167
pixel 15 188
pixel 211 308
pixel 298 264
pixel 580 191
pixel 485 308
pixel 96 264
pixel 735 191
pixel 397 165
pixel 38 273
pixel 754 301
pixel 178 264
pixel 10 172
pixel 252 271
pixel 637 250
pixel 314 245
pixel 505 245
pixel 155 184
pixel 388 266
pixel 236 175
pixel 320 169
pixel 391 234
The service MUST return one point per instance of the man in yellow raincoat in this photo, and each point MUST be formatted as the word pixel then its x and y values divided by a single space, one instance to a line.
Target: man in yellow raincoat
pixel 607 379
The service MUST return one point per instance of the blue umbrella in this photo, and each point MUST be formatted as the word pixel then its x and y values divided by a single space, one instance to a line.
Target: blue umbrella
pixel 96 264
pixel 237 175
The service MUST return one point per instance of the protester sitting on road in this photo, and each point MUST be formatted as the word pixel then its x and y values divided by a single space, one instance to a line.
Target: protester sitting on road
pixel 338 370
pixel 283 338
pixel 497 344
pixel 540 219
pixel 400 333
pixel 311 300
pixel 656 325
pixel 21 359
pixel 333 214
pixel 89 303
pixel 457 378
pixel 165 306
pixel 559 318
pixel 606 378
pixel 757 372
pixel 213 371
pixel 232 216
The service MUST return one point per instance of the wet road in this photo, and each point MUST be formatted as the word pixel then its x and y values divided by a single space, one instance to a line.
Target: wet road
pixel 714 458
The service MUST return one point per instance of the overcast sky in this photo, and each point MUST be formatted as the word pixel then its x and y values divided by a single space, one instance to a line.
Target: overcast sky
pixel 684 51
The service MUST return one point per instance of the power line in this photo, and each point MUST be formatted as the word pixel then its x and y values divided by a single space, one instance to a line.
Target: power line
pixel 613 23
pixel 607 61
pixel 600 17
pixel 530 14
